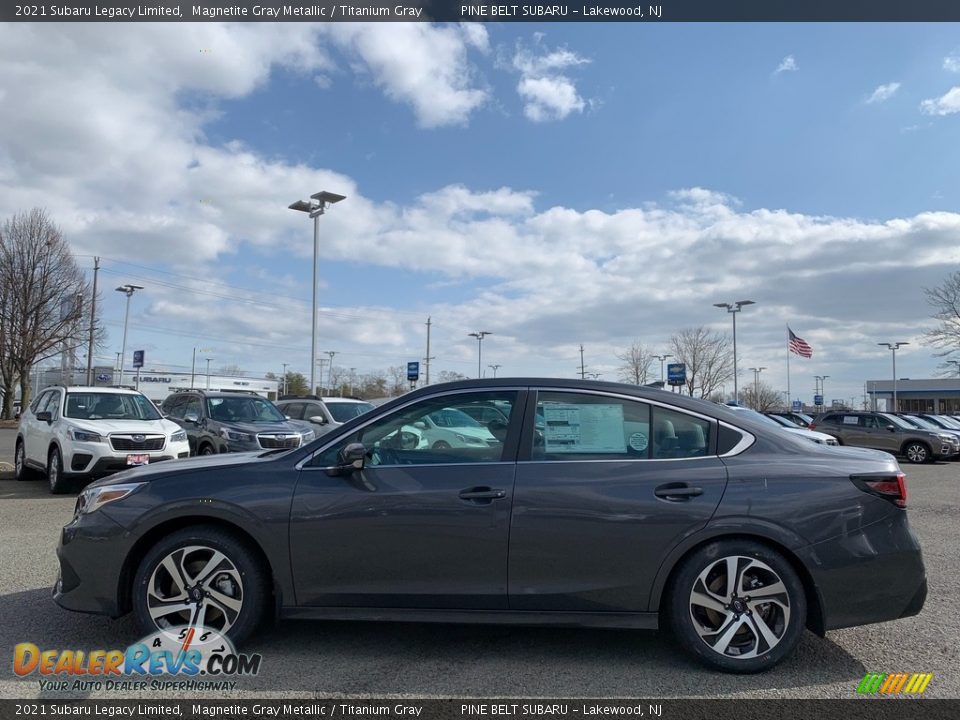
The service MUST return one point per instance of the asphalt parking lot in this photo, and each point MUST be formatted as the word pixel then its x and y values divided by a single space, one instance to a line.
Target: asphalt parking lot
pixel 323 659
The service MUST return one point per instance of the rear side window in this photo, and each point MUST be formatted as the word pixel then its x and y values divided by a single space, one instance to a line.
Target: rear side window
pixel 292 410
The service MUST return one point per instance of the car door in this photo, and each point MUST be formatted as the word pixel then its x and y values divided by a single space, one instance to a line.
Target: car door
pixel 31 429
pixel 418 527
pixel 877 434
pixel 44 431
pixel 606 487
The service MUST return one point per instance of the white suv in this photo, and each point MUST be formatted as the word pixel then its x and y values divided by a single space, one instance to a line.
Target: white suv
pixel 75 431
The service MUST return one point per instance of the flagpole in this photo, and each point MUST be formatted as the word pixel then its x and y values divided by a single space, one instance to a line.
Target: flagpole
pixel 789 397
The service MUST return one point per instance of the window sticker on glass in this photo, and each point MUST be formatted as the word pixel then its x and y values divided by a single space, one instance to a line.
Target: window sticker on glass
pixel 850 419
pixel 638 441
pixel 591 428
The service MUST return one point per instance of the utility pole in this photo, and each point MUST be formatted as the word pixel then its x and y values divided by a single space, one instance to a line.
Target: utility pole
pixel 285 378
pixel 93 320
pixel 428 358
pixel 583 369
pixel 331 353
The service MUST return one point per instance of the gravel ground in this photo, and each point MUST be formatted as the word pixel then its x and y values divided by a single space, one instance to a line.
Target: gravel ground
pixel 325 659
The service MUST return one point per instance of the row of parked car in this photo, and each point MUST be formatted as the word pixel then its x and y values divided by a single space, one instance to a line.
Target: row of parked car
pixel 73 432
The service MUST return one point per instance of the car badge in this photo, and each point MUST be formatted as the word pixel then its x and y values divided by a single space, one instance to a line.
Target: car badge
pixel 137 438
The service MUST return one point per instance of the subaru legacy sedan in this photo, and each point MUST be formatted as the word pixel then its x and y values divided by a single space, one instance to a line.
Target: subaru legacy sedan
pixel 592 504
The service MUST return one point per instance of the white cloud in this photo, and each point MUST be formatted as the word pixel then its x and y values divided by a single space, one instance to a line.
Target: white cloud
pixel 788 64
pixel 547 91
pixel 951 63
pixel 946 104
pixel 883 93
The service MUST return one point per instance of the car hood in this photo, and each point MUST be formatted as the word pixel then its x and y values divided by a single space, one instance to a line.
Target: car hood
pixel 184 465
pixel 106 427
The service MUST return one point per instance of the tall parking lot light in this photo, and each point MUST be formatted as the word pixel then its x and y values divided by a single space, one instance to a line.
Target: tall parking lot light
pixel 893 351
pixel 193 365
pixel 733 309
pixel 821 387
pixel 315 207
pixel 661 358
pixel 208 372
pixel 479 335
pixel 756 386
pixel 127 290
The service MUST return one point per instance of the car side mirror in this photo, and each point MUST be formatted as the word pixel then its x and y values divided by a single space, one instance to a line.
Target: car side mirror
pixel 192 417
pixel 420 425
pixel 351 458
pixel 891 428
pixel 45 416
pixel 318 419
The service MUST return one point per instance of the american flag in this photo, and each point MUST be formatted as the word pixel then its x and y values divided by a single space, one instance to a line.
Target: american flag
pixel 799 346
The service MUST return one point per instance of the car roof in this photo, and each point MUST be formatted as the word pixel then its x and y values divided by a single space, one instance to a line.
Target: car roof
pixel 94 388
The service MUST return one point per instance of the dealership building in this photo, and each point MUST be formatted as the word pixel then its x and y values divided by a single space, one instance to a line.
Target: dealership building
pixel 939 395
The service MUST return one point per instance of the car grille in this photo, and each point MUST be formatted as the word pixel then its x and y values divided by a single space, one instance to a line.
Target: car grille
pixel 272 442
pixel 137 442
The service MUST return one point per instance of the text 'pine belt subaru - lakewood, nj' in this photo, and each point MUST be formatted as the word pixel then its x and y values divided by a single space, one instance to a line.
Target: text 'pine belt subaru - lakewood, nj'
pixel 580 503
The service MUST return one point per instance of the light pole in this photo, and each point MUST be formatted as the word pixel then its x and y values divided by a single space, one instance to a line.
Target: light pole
pixel 893 351
pixel 331 353
pixel 756 386
pixel 315 207
pixel 285 377
pixel 193 365
pixel 661 358
pixel 127 290
pixel 494 368
pixel 208 372
pixel 353 375
pixel 821 387
pixel 733 309
pixel 479 335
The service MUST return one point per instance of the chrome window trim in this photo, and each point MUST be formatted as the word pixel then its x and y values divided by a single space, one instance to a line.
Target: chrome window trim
pixel 463 391
pixel 419 465
pixel 746 439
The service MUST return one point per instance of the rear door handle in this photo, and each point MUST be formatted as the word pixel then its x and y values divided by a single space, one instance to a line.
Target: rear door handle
pixel 482 493
pixel 677 492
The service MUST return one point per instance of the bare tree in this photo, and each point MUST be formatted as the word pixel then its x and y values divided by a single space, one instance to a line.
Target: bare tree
pixel 945 301
pixel 397 380
pixel 449 376
pixel 42 305
pixel 636 361
pixel 231 370
pixel 760 396
pixel 708 357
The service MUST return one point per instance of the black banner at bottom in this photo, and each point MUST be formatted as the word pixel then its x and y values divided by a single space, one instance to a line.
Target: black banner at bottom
pixel 478 709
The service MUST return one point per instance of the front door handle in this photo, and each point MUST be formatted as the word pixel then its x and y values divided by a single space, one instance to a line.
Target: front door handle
pixel 480 494
pixel 676 492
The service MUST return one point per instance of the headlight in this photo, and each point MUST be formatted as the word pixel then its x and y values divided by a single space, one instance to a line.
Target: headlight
pixel 945 438
pixel 235 436
pixel 470 440
pixel 94 498
pixel 306 436
pixel 83 436
pixel 179 436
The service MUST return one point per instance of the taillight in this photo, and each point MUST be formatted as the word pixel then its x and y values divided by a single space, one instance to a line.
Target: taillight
pixel 889 487
pixel 812 426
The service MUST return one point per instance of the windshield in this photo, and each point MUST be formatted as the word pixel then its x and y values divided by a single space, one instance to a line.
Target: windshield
pixel 343 411
pixel 449 417
pixel 780 420
pixel 110 406
pixel 923 422
pixel 898 422
pixel 243 410
pixel 948 422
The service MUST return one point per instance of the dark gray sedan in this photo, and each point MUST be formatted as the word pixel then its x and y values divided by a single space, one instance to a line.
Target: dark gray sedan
pixel 591 503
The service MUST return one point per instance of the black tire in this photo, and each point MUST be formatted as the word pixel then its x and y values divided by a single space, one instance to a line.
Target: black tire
pixel 758 565
pixel 20 470
pixel 55 478
pixel 253 581
pixel 441 445
pixel 206 449
pixel 917 452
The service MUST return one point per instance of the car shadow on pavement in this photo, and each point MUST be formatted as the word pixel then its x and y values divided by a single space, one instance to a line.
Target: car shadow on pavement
pixel 36 488
pixel 324 659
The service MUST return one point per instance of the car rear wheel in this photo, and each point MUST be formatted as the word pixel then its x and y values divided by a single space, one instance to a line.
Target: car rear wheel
pixel 917 452
pixel 207 450
pixel 58 483
pixel 20 469
pixel 737 605
pixel 200 576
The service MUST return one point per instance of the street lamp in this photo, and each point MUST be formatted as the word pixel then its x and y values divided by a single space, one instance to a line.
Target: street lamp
pixel 821 387
pixel 193 365
pixel 208 372
pixel 494 368
pixel 315 207
pixel 756 386
pixel 733 309
pixel 893 350
pixel 479 335
pixel 127 290
pixel 285 365
pixel 661 358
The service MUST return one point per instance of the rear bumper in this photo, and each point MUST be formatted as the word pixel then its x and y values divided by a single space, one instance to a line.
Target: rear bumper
pixel 873 575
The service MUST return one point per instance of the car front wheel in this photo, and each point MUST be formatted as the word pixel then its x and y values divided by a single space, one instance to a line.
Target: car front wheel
pixel 20 469
pixel 738 606
pixel 201 577
pixel 58 483
pixel 917 452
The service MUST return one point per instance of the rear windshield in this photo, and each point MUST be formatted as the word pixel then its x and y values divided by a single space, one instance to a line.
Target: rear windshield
pixel 343 411
pixel 110 406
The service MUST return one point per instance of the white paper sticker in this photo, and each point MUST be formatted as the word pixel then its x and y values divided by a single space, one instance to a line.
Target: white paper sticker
pixel 570 428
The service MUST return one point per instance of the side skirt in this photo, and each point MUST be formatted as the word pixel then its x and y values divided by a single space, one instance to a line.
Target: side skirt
pixel 637 621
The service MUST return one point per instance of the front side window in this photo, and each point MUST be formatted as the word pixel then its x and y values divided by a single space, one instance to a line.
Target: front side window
pixel 412 435
pixel 343 411
pixel 52 404
pixel 572 426
pixel 110 406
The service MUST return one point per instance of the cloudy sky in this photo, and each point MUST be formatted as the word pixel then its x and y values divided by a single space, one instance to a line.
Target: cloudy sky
pixel 553 184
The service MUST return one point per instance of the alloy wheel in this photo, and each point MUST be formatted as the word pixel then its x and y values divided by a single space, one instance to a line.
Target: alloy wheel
pixel 916 453
pixel 740 607
pixel 196 586
pixel 53 471
pixel 18 462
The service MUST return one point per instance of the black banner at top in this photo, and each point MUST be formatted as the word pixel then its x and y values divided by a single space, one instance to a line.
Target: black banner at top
pixel 483 11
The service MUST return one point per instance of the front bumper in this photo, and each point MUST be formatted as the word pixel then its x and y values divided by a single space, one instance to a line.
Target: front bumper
pixel 98 459
pixel 91 553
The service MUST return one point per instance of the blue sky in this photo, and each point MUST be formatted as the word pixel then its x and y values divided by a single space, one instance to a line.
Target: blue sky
pixel 553 183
